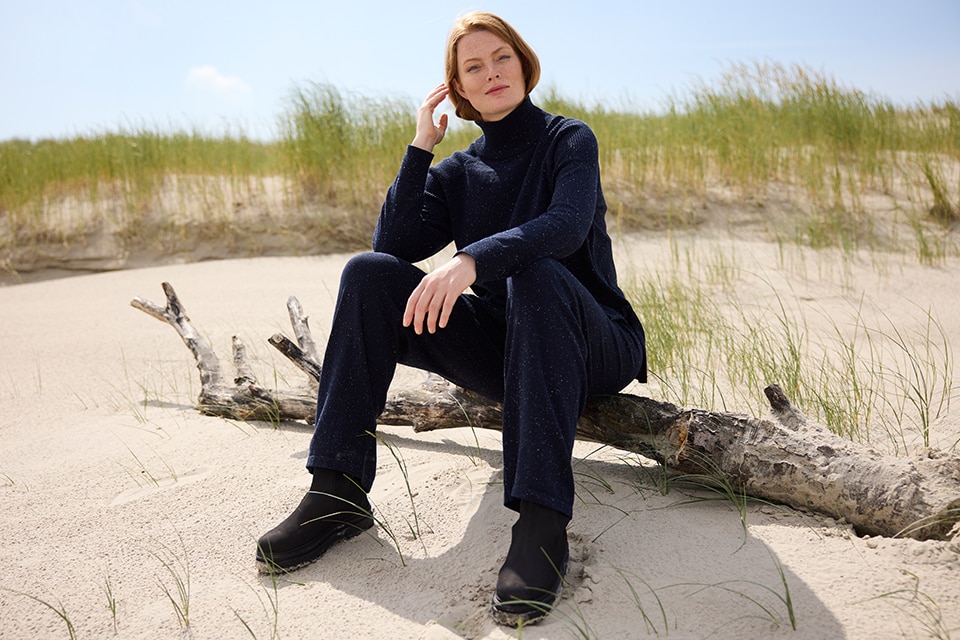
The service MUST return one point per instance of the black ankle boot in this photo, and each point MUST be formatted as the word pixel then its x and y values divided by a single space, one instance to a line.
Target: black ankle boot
pixel 334 509
pixel 531 579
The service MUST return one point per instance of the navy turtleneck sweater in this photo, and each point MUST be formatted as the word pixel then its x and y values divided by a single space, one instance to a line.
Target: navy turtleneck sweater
pixel 527 189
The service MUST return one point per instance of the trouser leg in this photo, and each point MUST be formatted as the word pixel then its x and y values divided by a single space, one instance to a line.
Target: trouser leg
pixel 562 347
pixel 366 343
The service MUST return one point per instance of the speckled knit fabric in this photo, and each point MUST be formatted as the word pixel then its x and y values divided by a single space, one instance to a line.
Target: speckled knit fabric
pixel 546 327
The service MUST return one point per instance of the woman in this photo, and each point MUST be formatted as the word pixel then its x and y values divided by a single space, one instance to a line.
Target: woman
pixel 545 328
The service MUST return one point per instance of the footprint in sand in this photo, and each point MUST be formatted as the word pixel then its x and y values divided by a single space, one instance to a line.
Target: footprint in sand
pixel 472 486
pixel 162 484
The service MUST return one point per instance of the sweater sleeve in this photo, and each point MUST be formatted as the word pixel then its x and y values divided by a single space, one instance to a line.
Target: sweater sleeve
pixel 560 229
pixel 414 222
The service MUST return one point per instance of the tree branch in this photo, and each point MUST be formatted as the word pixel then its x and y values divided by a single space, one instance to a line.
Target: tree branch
pixel 784 458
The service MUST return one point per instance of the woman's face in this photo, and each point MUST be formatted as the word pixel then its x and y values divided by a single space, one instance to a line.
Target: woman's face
pixel 490 75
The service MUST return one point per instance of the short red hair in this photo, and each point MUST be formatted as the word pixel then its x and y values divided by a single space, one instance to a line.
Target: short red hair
pixel 482 21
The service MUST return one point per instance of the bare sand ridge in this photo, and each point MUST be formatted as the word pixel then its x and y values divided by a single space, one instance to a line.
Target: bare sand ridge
pixel 114 490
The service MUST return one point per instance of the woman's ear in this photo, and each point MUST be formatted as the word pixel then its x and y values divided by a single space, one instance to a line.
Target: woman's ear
pixel 458 88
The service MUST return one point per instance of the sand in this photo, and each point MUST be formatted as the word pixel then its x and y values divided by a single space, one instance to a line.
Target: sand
pixel 116 493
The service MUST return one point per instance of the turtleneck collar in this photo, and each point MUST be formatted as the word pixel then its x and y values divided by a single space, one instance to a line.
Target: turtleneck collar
pixel 515 132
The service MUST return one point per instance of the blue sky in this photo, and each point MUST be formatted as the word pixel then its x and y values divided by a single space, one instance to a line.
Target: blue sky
pixel 79 67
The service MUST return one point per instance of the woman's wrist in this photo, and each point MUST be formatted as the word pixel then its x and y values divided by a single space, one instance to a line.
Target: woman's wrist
pixel 422 143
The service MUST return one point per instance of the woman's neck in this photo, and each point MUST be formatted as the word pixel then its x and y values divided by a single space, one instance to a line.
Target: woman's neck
pixel 513 133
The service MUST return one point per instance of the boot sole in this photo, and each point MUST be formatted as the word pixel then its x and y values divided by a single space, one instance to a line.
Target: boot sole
pixel 309 553
pixel 517 613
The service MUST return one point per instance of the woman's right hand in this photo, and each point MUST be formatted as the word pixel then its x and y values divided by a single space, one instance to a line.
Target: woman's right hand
pixel 429 134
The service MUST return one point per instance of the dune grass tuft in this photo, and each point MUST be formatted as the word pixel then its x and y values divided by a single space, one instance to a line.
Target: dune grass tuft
pixel 717 341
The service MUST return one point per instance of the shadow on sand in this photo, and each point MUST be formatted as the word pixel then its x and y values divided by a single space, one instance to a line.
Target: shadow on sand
pixel 643 564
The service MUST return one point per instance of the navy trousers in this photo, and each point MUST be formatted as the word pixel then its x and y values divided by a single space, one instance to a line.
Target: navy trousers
pixel 543 354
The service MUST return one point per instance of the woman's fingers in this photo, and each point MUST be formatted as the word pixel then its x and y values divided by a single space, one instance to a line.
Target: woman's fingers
pixel 436 96
pixel 445 310
pixel 432 302
pixel 429 134
pixel 423 307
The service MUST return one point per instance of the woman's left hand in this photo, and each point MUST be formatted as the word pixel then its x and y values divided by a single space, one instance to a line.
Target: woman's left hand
pixel 432 301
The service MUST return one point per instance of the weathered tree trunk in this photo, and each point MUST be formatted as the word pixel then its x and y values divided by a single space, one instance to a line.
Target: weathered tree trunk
pixel 785 458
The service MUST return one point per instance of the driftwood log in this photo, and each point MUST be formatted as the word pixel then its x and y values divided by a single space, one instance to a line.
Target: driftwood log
pixel 785 458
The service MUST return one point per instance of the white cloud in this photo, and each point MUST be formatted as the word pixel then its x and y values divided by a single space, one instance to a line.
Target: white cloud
pixel 208 78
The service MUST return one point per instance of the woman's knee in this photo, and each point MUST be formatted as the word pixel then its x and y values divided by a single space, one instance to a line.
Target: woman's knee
pixel 375 270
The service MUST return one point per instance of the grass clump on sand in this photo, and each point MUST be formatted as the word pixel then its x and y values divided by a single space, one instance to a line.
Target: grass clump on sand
pixel 340 149
pixel 718 333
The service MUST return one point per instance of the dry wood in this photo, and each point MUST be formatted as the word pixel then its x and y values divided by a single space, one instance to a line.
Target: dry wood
pixel 784 458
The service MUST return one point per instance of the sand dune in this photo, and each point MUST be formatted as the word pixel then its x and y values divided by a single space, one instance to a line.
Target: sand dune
pixel 116 492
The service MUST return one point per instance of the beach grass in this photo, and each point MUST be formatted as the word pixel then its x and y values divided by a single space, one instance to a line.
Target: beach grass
pixel 760 131
pixel 716 341
pixel 111 598
pixel 178 567
pixel 58 608
pixel 271 607
pixel 766 124
pixel 919 606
